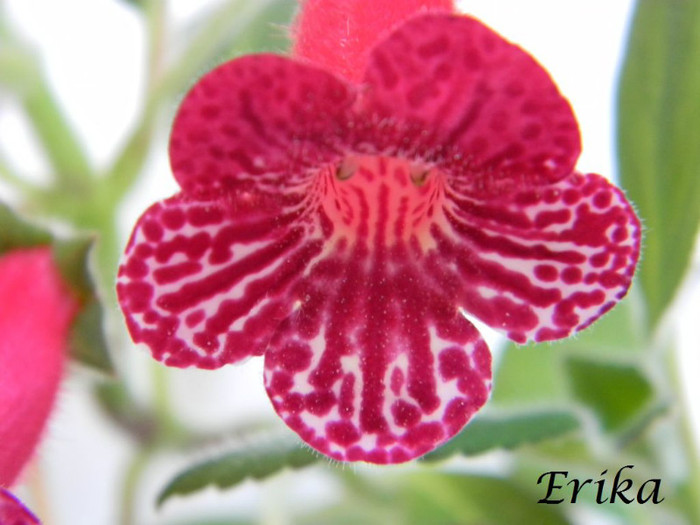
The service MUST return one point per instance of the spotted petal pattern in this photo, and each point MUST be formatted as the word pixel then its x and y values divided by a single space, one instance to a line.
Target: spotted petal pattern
pixel 204 282
pixel 538 264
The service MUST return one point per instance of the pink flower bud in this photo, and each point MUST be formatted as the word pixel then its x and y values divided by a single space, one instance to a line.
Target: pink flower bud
pixel 36 310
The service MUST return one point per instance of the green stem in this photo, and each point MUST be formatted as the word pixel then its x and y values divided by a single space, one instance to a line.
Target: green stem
pixel 57 138
pixel 130 486
pixel 689 490
pixel 12 178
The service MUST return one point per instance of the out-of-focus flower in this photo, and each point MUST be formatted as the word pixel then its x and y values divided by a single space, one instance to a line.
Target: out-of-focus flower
pixel 12 512
pixel 342 210
pixel 36 310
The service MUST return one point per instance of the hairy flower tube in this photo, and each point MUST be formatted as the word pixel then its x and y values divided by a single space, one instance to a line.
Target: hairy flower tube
pixel 344 210
pixel 36 310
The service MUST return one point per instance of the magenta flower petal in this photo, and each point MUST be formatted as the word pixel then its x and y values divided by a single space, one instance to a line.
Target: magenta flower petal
pixel 12 512
pixel 375 364
pixel 205 282
pixel 258 122
pixel 450 91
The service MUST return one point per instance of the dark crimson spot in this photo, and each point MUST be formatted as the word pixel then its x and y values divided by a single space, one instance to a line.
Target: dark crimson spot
pixel 405 414
pixel 143 251
pixel 293 403
pixel 547 218
pixel 546 272
pixel 173 218
pixel 458 412
pixel 482 359
pixel 342 432
pixel 472 385
pixel 453 363
pixel 136 268
pixel 564 314
pixel 619 234
pixel 571 197
pixel 175 272
pixel 152 230
pixel 550 334
pixel 295 356
pixel 531 132
pixel 551 196
pixel 281 382
pixel 397 381
pixel 346 404
pixel 571 275
pixel 591 278
pixel 137 295
pixel 600 259
pixel 320 403
pixel 206 341
pixel 379 456
pixel 425 434
pixel 611 279
pixel 602 199
pixel 194 318
pixel 204 215
pixel 435 47
pixel 398 455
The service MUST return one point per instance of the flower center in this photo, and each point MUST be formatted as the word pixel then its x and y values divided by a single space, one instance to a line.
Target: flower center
pixel 381 200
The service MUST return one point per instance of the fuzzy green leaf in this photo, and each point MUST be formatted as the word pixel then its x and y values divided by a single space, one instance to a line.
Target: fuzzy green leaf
pixel 658 137
pixel 257 460
pixel 17 233
pixel 507 431
pixel 616 393
pixel 452 498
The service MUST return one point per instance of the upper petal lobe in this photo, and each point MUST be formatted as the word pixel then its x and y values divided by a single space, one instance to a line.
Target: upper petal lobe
pixel 260 118
pixel 450 91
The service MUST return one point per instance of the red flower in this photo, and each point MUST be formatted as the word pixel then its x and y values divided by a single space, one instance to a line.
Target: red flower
pixel 341 210
pixel 36 310
pixel 12 512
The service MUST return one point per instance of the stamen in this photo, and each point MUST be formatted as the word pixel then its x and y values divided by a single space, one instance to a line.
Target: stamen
pixel 419 173
pixel 347 168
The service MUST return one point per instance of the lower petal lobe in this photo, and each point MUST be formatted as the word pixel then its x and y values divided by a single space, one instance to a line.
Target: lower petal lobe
pixel 373 364
pixel 537 264
pixel 205 282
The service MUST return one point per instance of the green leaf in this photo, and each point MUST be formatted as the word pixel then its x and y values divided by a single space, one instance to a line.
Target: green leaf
pixel 17 233
pixel 658 136
pixel 87 343
pixel 508 431
pixel 616 393
pixel 483 500
pixel 257 460
pixel 529 375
